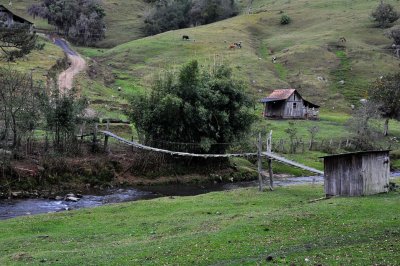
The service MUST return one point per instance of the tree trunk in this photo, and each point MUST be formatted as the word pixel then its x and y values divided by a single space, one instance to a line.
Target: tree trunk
pixel 386 127
pixel 15 134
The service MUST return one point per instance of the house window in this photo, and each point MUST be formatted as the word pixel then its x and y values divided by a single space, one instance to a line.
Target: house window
pixel 294 105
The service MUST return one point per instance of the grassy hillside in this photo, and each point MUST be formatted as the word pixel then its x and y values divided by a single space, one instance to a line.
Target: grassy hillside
pixel 306 49
pixel 124 19
pixel 309 54
pixel 240 227
pixel 38 62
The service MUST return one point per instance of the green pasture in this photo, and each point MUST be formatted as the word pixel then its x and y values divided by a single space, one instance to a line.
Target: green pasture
pixel 239 227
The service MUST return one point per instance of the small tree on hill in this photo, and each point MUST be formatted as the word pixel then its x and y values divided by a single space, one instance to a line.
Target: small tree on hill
pixel 292 131
pixel 195 107
pixel 17 41
pixel 385 14
pixel 385 93
pixel 394 34
pixel 62 115
pixel 363 124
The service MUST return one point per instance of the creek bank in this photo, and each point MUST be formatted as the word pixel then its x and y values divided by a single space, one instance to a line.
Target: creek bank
pixel 50 176
pixel 11 208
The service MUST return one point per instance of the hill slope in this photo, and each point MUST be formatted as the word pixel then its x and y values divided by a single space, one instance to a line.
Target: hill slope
pixel 310 56
pixel 123 19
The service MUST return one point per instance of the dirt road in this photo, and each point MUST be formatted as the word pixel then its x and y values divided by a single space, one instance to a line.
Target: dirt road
pixel 77 64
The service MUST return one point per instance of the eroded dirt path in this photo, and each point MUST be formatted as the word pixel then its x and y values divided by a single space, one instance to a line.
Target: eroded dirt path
pixel 77 64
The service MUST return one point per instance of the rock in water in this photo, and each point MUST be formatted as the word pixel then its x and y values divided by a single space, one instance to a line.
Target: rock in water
pixel 71 197
pixel 74 199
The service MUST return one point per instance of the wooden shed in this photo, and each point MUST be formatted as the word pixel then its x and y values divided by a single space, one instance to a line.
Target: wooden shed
pixel 357 174
pixel 288 104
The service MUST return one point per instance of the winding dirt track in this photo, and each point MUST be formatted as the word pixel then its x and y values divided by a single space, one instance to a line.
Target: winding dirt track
pixel 77 64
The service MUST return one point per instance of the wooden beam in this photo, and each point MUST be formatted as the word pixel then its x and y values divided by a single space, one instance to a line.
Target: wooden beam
pixel 259 162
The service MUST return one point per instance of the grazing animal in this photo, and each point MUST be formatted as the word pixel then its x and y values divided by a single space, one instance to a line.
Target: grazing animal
pixel 232 46
pixel 342 39
pixel 274 59
pixel 185 37
pixel 238 44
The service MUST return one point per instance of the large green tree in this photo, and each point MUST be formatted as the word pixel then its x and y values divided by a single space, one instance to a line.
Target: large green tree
pixel 195 107
pixel 82 21
pixel 385 92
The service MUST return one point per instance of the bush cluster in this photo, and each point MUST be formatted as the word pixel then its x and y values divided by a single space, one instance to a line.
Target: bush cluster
pixel 285 19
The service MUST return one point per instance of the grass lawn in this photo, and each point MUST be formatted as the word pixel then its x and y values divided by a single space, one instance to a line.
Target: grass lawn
pixel 240 227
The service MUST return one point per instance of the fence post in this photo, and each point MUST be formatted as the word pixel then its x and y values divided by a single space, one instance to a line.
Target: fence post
pixel 271 175
pixel 259 162
pixel 94 141
pixel 106 148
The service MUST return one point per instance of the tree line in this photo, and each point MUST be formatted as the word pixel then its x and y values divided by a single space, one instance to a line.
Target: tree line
pixel 27 106
pixel 177 14
pixel 81 21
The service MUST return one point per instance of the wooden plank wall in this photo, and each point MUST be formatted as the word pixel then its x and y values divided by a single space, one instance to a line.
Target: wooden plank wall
pixel 376 171
pixel 357 174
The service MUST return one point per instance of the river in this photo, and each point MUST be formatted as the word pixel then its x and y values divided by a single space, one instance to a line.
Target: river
pixel 22 207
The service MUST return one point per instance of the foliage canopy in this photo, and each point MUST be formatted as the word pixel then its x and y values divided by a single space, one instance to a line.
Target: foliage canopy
pixel 195 107
pixel 80 20
pixel 176 14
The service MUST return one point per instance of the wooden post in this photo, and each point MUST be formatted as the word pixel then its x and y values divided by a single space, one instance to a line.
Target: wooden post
pixel 108 124
pixel 269 149
pixel 94 138
pixel 132 141
pixel 271 175
pixel 259 161
pixel 106 143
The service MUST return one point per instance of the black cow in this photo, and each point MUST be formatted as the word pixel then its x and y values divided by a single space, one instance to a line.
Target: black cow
pixel 185 37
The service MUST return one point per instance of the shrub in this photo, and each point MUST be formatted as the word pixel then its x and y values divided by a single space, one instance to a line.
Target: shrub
pixel 385 14
pixel 285 19
pixel 394 34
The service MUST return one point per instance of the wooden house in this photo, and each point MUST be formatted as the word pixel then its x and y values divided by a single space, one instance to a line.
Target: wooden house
pixel 357 174
pixel 288 104
pixel 9 19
